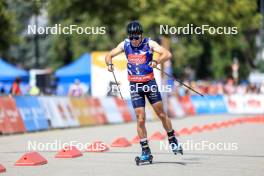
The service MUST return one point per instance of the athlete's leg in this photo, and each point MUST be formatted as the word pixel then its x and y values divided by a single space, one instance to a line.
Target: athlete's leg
pixel 166 122
pixel 138 102
pixel 155 99
pixel 142 133
pixel 141 128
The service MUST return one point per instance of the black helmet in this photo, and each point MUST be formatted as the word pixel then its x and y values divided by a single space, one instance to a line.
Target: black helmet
pixel 134 27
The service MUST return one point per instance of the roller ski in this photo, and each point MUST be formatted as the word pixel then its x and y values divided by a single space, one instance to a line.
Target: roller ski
pixel 176 148
pixel 146 156
pixel 174 145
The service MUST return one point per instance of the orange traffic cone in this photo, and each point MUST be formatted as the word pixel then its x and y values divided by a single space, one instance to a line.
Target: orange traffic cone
pixel 2 168
pixel 135 140
pixel 121 142
pixel 31 159
pixel 157 136
pixel 68 152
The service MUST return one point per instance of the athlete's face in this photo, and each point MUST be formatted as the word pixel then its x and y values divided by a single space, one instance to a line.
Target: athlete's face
pixel 135 39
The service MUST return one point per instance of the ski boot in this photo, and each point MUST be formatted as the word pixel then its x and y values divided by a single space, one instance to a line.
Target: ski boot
pixel 145 157
pixel 175 146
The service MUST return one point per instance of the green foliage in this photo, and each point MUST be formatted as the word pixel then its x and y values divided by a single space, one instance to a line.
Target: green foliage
pixel 21 50
pixel 261 66
pixel 7 27
pixel 210 55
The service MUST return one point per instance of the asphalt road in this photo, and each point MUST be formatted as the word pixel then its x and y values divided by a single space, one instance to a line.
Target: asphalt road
pixel 242 154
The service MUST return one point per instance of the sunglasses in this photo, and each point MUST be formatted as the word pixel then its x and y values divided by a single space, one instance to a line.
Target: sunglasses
pixel 134 37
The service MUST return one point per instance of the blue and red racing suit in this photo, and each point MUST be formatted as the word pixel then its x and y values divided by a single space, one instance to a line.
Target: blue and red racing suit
pixel 140 74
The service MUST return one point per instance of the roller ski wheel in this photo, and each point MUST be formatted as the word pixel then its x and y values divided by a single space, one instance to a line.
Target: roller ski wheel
pixel 175 146
pixel 140 160
pixel 178 150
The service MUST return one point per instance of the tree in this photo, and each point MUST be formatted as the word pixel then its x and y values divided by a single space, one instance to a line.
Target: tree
pixel 210 55
pixel 7 27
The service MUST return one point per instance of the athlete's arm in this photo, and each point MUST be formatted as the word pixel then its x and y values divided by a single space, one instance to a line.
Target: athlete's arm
pixel 114 52
pixel 164 56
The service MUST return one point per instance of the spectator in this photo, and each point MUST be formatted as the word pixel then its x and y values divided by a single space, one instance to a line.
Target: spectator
pixel 242 88
pixel 2 91
pixel 252 88
pixel 212 88
pixel 229 88
pixel 76 89
pixel 34 90
pixel 15 88
pixel 220 88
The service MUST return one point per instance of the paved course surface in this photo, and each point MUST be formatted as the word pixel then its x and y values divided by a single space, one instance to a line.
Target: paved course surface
pixel 248 159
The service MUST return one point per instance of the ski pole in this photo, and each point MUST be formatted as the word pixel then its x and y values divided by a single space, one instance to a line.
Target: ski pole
pixel 117 85
pixel 171 76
